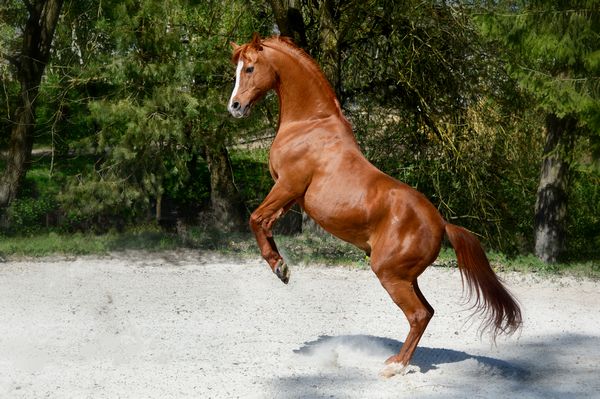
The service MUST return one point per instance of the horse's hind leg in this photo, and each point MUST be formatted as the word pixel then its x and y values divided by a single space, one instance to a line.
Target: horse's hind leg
pixel 407 295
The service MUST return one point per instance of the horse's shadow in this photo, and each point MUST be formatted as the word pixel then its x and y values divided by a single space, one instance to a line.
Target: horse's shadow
pixel 425 358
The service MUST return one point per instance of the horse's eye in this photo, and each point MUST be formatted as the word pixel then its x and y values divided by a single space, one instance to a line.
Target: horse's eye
pixel 250 69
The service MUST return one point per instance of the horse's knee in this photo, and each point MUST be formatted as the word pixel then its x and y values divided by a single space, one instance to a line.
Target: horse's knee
pixel 255 221
pixel 264 221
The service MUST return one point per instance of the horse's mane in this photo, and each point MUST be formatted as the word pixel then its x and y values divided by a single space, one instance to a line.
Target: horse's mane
pixel 286 45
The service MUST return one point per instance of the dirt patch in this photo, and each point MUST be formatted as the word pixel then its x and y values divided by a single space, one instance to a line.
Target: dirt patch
pixel 187 324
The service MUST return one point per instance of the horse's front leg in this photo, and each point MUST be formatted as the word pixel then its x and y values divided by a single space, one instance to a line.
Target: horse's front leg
pixel 278 202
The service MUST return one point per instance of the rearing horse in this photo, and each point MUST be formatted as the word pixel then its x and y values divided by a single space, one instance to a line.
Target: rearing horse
pixel 317 163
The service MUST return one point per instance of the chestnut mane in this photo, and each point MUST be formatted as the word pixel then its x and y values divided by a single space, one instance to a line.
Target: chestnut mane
pixel 287 46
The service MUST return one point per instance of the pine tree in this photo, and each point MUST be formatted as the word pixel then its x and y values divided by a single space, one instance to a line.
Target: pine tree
pixel 158 76
pixel 554 49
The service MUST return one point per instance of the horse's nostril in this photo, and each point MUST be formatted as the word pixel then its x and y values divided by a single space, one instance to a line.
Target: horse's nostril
pixel 235 105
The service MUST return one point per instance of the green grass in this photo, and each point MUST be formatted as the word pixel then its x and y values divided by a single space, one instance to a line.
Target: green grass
pixel 303 248
pixel 528 264
pixel 52 243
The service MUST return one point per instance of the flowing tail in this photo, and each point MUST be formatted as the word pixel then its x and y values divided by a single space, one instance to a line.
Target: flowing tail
pixel 502 312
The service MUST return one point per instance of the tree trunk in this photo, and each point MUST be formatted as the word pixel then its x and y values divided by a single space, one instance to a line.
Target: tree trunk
pixel 288 16
pixel 552 194
pixel 330 59
pixel 19 154
pixel 226 203
pixel 30 65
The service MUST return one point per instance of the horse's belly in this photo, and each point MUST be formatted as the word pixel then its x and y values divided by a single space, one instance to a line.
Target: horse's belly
pixel 341 213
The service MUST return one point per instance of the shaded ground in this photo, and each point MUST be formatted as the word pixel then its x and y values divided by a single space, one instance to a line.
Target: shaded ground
pixel 186 324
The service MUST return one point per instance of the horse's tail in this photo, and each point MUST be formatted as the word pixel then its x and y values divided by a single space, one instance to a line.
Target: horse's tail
pixel 502 312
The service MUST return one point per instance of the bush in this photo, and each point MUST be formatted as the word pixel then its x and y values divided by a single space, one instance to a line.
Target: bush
pixel 36 208
pixel 30 215
pixel 480 176
pixel 583 228
pixel 252 176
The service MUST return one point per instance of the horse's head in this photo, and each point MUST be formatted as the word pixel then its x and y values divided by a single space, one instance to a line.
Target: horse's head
pixel 254 77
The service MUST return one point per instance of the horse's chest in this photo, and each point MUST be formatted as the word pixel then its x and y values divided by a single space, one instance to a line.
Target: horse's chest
pixel 289 160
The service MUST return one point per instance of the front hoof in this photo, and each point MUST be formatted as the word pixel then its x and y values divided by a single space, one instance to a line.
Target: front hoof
pixel 282 271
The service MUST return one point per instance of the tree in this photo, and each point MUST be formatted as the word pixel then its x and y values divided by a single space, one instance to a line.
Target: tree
pixel 29 64
pixel 430 103
pixel 160 76
pixel 555 55
pixel 289 19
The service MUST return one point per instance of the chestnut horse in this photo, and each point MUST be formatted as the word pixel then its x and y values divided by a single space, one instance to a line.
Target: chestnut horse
pixel 317 163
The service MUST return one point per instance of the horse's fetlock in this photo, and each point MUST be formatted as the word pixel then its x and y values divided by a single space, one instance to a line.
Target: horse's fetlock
pixel 272 259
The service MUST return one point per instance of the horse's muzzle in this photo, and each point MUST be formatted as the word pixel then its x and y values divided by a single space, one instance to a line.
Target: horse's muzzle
pixel 237 110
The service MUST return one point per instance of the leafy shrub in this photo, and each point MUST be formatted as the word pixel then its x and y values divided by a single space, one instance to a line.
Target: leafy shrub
pixel 583 228
pixel 28 215
pixel 100 205
pixel 252 176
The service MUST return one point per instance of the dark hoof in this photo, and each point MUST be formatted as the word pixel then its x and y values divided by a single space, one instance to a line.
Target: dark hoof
pixel 282 271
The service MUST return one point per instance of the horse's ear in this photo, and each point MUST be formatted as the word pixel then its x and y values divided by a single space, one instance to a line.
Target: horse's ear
pixel 256 41
pixel 234 45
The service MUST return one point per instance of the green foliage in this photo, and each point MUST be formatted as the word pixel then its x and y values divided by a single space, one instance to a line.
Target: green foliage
pixel 584 216
pixel 31 213
pixel 148 95
pixel 310 248
pixel 432 106
pixel 136 93
pixel 554 53
pixel 27 215
pixel 9 34
pixel 47 244
pixel 299 249
pixel 252 176
pixel 483 178
pixel 100 203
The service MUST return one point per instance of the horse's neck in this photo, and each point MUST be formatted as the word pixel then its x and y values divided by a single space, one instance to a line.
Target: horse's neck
pixel 303 95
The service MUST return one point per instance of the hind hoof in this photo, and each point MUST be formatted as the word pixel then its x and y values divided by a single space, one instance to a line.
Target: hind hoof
pixel 392 369
pixel 282 271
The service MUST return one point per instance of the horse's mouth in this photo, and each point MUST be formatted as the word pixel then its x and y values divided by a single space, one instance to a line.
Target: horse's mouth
pixel 247 110
pixel 241 112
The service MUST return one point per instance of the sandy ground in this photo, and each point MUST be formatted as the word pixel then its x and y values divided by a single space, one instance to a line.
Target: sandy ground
pixel 185 324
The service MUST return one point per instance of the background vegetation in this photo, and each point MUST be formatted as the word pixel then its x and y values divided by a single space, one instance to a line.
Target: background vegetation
pixel 492 109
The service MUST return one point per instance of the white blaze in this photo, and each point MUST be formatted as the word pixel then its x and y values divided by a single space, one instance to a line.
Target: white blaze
pixel 238 71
